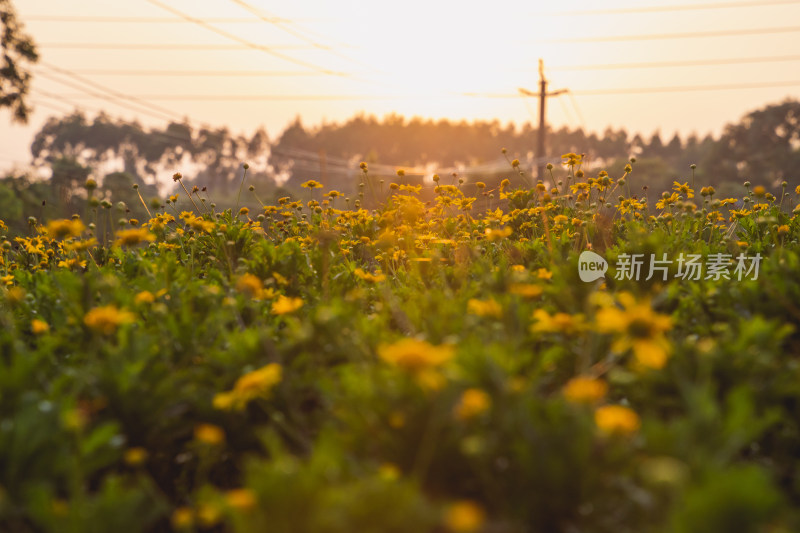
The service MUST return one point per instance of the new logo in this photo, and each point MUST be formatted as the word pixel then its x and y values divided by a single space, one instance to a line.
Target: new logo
pixel 591 266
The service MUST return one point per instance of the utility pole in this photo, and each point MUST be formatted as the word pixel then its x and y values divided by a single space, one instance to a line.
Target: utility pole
pixel 543 94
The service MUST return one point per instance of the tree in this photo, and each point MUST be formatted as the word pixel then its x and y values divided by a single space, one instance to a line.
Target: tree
pixel 764 147
pixel 17 50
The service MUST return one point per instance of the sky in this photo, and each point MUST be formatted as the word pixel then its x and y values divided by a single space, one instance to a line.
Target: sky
pixel 643 65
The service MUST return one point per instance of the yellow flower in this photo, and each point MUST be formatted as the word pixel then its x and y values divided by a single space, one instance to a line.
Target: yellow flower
pixel 616 419
pixel 199 224
pixel 464 517
pixel 584 389
pixel 241 499
pixel 257 384
pixel 683 188
pixel 144 297
pixel 783 230
pixel 133 236
pixel 543 273
pixel 39 327
pixel 473 403
pixel 493 235
pixel 209 513
pixel 250 285
pixel 485 308
pixel 182 518
pixel 72 262
pixel 107 319
pixel 284 305
pixel 557 323
pixel 414 355
pixel 135 456
pixel 366 276
pixel 637 327
pixel 209 434
pixel 311 184
pixel 58 229
pixel 526 290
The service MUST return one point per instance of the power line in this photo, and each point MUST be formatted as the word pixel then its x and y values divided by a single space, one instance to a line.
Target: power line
pixel 344 97
pixel 111 95
pixel 577 108
pixel 169 46
pixel 649 90
pixel 280 24
pixel 682 35
pixel 272 20
pixel 682 63
pixel 277 97
pixel 198 73
pixel 135 20
pixel 691 88
pixel 680 7
pixel 116 94
pixel 62 100
pixel 42 103
pixel 234 37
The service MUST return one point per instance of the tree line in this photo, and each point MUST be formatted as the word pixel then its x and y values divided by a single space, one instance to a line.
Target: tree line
pixel 764 148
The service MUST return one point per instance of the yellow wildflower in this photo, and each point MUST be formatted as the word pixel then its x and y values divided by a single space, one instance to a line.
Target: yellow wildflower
pixel 584 389
pixel 241 499
pixel 250 285
pixel 209 434
pixel 311 184
pixel 464 517
pixel 285 304
pixel 135 456
pixel 59 229
pixel 144 297
pixel 182 518
pixel 616 419
pixel 209 513
pixel 39 327
pixel 107 319
pixel 473 403
pixel 557 323
pixel 637 327
pixel 366 276
pixel 414 355
pixel 493 235
pixel 683 188
pixel 526 290
pixel 256 384
pixel 485 308
pixel 133 236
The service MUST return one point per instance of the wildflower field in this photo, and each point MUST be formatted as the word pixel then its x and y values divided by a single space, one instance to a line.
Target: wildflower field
pixel 339 365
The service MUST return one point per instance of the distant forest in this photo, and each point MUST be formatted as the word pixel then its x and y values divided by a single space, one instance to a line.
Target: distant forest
pixel 764 147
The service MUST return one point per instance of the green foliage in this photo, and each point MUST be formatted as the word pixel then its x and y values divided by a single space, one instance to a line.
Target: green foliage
pixel 426 366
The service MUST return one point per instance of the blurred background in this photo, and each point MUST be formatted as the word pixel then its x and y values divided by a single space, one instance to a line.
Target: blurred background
pixel 140 89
